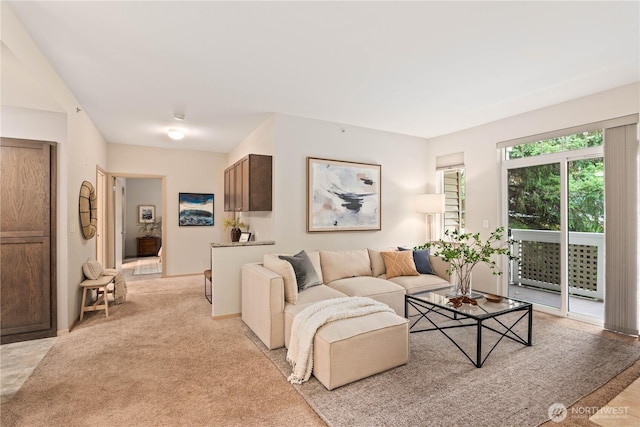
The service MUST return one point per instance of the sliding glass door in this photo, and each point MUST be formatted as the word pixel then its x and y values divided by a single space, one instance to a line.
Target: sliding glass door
pixel 585 258
pixel 554 204
pixel 534 225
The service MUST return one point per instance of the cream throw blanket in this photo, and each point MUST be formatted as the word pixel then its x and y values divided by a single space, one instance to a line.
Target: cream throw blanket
pixel 309 320
pixel 119 285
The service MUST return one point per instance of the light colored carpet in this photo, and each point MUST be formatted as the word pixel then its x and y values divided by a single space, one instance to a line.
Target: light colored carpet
pixel 149 265
pixel 158 360
pixel 440 387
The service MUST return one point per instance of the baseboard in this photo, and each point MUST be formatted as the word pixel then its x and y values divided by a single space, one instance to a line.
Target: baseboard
pixel 226 316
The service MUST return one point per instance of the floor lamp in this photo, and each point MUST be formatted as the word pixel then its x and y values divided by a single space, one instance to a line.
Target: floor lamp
pixel 429 204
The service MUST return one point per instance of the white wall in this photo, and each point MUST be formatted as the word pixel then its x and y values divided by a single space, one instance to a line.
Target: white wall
pixel 186 248
pixel 402 160
pixel 482 166
pixel 290 140
pixel 80 149
pixel 140 191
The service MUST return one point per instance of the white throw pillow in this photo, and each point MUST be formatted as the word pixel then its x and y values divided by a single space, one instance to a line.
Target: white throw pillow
pixel 92 269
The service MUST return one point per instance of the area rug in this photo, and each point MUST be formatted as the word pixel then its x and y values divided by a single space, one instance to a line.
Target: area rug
pixel 147 266
pixel 439 387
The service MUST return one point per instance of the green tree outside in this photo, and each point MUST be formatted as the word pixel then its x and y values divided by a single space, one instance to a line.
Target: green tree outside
pixel 534 191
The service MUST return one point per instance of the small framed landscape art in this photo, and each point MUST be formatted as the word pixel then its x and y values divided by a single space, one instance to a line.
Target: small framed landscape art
pixel 146 213
pixel 196 209
pixel 245 236
pixel 342 195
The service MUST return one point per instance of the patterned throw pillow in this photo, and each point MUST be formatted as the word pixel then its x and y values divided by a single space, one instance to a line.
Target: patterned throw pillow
pixel 399 263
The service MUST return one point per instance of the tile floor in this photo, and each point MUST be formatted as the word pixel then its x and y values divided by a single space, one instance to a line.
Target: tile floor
pixel 17 362
pixel 623 410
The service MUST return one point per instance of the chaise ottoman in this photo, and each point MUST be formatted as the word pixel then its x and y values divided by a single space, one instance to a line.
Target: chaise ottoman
pixel 350 349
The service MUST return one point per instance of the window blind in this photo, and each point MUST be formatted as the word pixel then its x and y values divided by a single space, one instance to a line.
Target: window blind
pixel 621 149
pixel 452 216
pixel 450 161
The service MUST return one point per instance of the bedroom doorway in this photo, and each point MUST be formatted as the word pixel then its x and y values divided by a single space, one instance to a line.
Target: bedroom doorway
pixel 136 234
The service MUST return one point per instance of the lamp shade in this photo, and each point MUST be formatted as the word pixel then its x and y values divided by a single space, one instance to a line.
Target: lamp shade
pixel 429 203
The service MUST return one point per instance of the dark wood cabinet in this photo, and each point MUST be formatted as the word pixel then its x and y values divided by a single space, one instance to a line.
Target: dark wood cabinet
pixel 248 184
pixel 148 246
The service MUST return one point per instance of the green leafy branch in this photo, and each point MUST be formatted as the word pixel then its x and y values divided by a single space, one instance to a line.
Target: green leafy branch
pixel 466 250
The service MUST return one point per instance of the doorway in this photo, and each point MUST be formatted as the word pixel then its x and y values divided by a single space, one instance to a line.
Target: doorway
pixel 136 209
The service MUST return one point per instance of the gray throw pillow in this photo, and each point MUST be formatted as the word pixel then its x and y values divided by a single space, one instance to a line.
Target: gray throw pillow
pixel 421 259
pixel 306 275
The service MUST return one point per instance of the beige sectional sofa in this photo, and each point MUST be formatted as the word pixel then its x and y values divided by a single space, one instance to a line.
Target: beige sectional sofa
pixel 271 299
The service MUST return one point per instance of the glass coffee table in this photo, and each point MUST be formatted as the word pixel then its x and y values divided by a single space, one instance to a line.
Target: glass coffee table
pixel 437 310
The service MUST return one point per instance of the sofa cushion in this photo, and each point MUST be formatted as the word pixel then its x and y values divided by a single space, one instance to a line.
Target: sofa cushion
pixel 306 298
pixel 377 262
pixel 285 269
pixel 421 259
pixel 381 290
pixel 423 282
pixel 306 275
pixel 340 264
pixel 399 263
pixel 350 349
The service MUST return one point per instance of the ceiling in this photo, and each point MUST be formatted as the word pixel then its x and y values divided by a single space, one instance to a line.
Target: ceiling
pixel 415 68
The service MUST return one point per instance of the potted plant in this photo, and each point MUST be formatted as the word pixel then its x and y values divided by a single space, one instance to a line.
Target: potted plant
pixel 150 229
pixel 236 226
pixel 466 250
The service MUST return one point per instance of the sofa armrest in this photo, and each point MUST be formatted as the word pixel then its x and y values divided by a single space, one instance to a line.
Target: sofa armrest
pixel 263 303
pixel 440 267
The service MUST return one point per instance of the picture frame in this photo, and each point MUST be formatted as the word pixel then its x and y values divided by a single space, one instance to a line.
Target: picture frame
pixel 245 236
pixel 146 213
pixel 195 209
pixel 343 196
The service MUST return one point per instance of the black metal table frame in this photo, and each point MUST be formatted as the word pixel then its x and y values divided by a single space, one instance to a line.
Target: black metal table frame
pixel 453 314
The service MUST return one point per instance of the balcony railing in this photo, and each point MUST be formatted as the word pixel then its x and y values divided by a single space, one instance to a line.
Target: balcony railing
pixel 539 255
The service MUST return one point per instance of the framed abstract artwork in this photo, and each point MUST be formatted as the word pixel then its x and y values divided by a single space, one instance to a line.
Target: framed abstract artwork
pixel 343 196
pixel 196 209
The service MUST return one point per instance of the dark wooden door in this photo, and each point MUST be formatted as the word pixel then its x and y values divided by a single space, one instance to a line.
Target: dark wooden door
pixel 27 240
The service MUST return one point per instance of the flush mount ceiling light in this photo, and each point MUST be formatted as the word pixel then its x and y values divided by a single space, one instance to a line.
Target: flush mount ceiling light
pixel 176 134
